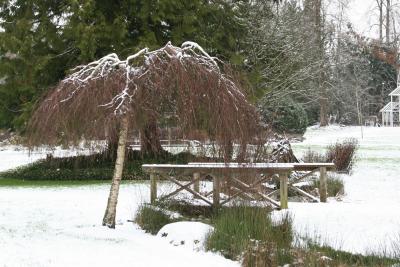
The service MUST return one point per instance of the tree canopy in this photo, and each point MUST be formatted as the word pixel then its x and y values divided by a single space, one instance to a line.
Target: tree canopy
pixel 272 44
pixel 185 81
pixel 42 40
pixel 107 98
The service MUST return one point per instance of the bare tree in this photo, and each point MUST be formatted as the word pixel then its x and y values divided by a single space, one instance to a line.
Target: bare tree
pixel 290 51
pixel 380 25
pixel 388 13
pixel 108 98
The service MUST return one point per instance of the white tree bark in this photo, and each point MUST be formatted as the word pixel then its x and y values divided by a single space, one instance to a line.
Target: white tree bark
pixel 109 216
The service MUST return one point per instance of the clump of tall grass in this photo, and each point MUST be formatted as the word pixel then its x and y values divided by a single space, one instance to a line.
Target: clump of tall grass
pixel 152 219
pixel 335 185
pixel 247 233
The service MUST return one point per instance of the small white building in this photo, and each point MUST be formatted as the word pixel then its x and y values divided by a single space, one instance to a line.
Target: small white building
pixel 391 111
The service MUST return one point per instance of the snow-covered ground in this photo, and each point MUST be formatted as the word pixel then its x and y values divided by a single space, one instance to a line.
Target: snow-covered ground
pixel 60 226
pixel 12 156
pixel 368 217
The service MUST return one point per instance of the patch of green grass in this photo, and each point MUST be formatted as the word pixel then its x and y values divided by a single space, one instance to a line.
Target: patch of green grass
pixel 380 161
pixel 10 182
pixel 152 219
pixel 313 256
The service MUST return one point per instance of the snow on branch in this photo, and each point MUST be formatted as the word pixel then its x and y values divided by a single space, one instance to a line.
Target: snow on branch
pixel 136 66
pixel 199 90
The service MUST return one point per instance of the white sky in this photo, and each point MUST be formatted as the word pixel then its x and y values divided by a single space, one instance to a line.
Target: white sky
pixel 363 14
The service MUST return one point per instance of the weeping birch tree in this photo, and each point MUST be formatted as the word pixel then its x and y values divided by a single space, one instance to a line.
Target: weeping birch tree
pixel 109 98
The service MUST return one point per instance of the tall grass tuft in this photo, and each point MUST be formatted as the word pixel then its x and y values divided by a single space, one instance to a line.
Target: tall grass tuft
pixel 247 233
pixel 235 227
pixel 152 219
pixel 335 185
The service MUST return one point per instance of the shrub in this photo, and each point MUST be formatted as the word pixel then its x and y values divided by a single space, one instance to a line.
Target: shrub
pixel 152 219
pixel 99 166
pixel 342 154
pixel 285 116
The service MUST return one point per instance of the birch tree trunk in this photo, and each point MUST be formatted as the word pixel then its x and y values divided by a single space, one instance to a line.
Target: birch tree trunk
pixel 109 216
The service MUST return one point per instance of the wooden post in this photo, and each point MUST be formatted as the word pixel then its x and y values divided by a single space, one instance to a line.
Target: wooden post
pixel 323 187
pixel 196 185
pixel 283 190
pixel 216 191
pixel 153 188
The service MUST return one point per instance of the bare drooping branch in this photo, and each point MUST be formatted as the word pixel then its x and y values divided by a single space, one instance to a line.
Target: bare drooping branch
pixel 186 81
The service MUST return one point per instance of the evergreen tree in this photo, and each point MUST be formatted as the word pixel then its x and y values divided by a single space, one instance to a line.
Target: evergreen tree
pixel 31 59
pixel 42 39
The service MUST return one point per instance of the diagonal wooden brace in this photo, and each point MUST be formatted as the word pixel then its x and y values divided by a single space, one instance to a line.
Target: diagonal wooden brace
pixel 304 193
pixel 298 179
pixel 251 186
pixel 187 188
pixel 181 186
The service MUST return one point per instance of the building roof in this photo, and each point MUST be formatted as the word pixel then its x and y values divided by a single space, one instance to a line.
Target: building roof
pixel 388 107
pixel 395 92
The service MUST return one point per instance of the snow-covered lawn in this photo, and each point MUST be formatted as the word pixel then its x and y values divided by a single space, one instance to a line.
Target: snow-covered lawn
pixel 368 218
pixel 60 226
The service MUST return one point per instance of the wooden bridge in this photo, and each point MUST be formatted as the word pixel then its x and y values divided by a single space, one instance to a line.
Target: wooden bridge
pixel 244 180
